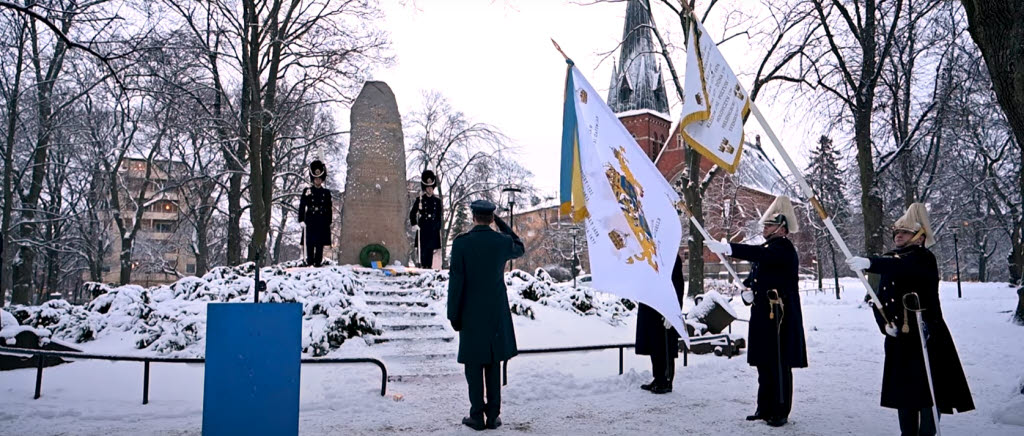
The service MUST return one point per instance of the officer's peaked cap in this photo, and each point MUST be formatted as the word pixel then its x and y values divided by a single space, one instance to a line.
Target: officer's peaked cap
pixel 482 207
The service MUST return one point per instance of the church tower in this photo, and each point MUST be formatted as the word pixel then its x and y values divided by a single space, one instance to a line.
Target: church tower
pixel 637 89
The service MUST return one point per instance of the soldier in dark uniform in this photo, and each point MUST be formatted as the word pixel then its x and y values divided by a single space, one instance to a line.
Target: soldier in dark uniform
pixel 656 337
pixel 911 267
pixel 478 309
pixel 315 212
pixel 426 216
pixel 776 342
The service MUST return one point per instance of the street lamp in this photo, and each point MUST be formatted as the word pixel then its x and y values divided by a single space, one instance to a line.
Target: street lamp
pixel 511 190
pixel 575 257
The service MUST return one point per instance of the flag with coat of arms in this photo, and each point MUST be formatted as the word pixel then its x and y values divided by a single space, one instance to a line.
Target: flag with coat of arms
pixel 632 223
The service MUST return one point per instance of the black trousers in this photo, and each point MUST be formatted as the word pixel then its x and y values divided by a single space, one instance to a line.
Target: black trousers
pixel 663 367
pixel 917 422
pixel 768 391
pixel 476 375
pixel 314 254
pixel 426 257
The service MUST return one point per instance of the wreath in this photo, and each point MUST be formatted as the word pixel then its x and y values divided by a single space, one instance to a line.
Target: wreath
pixel 372 253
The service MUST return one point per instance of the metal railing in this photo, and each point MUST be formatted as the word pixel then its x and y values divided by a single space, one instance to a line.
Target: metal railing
pixel 621 347
pixel 146 360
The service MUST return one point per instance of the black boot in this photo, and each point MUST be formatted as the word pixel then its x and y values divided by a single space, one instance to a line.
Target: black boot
pixel 777 421
pixel 494 423
pixel 661 388
pixel 649 386
pixel 473 423
pixel 756 416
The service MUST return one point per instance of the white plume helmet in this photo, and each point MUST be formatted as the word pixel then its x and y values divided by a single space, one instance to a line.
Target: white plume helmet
pixel 781 212
pixel 916 220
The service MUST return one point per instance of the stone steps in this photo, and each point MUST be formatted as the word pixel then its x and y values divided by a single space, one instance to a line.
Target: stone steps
pixel 395 292
pixel 415 341
pixel 413 312
pixel 407 336
pixel 419 324
pixel 396 302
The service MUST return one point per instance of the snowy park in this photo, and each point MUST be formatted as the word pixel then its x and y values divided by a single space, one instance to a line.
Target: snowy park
pixel 553 217
pixel 564 393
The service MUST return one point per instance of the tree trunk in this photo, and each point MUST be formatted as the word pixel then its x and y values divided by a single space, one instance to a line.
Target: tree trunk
pixel 8 188
pixel 202 244
pixel 234 248
pixel 1018 316
pixel 817 255
pixel 695 244
pixel 279 237
pixel 96 263
pixel 995 28
pixel 982 267
pixel 24 274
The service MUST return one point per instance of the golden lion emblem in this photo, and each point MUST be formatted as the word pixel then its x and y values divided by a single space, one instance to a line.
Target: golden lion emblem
pixel 629 193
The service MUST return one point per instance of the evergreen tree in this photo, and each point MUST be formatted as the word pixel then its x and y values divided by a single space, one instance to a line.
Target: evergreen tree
pixel 825 176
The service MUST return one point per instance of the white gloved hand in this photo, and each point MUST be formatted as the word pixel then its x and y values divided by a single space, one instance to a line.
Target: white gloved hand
pixel 747 296
pixel 668 325
pixel 302 224
pixel 415 228
pixel 858 263
pixel 722 247
pixel 891 330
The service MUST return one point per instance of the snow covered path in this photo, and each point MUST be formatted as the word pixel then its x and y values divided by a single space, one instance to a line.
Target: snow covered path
pixel 577 393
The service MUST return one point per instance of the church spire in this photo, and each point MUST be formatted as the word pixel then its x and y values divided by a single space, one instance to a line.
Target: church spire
pixel 636 82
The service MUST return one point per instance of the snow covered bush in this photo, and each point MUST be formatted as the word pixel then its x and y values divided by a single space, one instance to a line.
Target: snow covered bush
pixel 582 301
pixel 171 319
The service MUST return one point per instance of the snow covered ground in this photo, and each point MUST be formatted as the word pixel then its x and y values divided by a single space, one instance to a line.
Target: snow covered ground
pixel 576 393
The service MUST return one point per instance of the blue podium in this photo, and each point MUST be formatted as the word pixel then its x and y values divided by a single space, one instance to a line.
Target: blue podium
pixel 253 358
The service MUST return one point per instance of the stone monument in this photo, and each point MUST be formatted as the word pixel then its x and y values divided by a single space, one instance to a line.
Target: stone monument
pixel 376 202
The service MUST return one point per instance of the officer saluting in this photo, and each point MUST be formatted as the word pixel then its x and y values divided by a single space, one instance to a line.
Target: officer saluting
pixel 478 309
pixel 776 335
pixel 315 211
pixel 425 216
pixel 911 267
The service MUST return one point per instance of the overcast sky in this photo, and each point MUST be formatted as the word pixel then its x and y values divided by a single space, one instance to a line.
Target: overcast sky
pixel 495 62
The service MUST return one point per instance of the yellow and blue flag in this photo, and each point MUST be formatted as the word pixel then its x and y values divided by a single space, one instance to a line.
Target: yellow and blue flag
pixel 632 226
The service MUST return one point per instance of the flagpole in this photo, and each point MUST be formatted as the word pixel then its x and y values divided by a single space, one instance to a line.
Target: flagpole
pixel 809 193
pixel 707 236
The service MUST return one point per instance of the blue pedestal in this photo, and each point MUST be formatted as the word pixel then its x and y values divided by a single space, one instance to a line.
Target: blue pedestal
pixel 253 357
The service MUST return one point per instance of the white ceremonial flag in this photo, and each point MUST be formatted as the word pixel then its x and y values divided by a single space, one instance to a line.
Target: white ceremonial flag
pixel 715 104
pixel 632 225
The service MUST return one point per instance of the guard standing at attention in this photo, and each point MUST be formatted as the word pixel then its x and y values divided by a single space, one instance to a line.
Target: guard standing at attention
pixel 425 218
pixel 315 212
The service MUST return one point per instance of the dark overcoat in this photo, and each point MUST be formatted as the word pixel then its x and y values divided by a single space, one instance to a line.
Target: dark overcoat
pixel 650 325
pixel 477 299
pixel 904 382
pixel 316 210
pixel 774 265
pixel 427 212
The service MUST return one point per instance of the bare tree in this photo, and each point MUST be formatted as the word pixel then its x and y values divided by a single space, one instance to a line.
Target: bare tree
pixel 11 89
pixel 995 27
pixel 465 155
